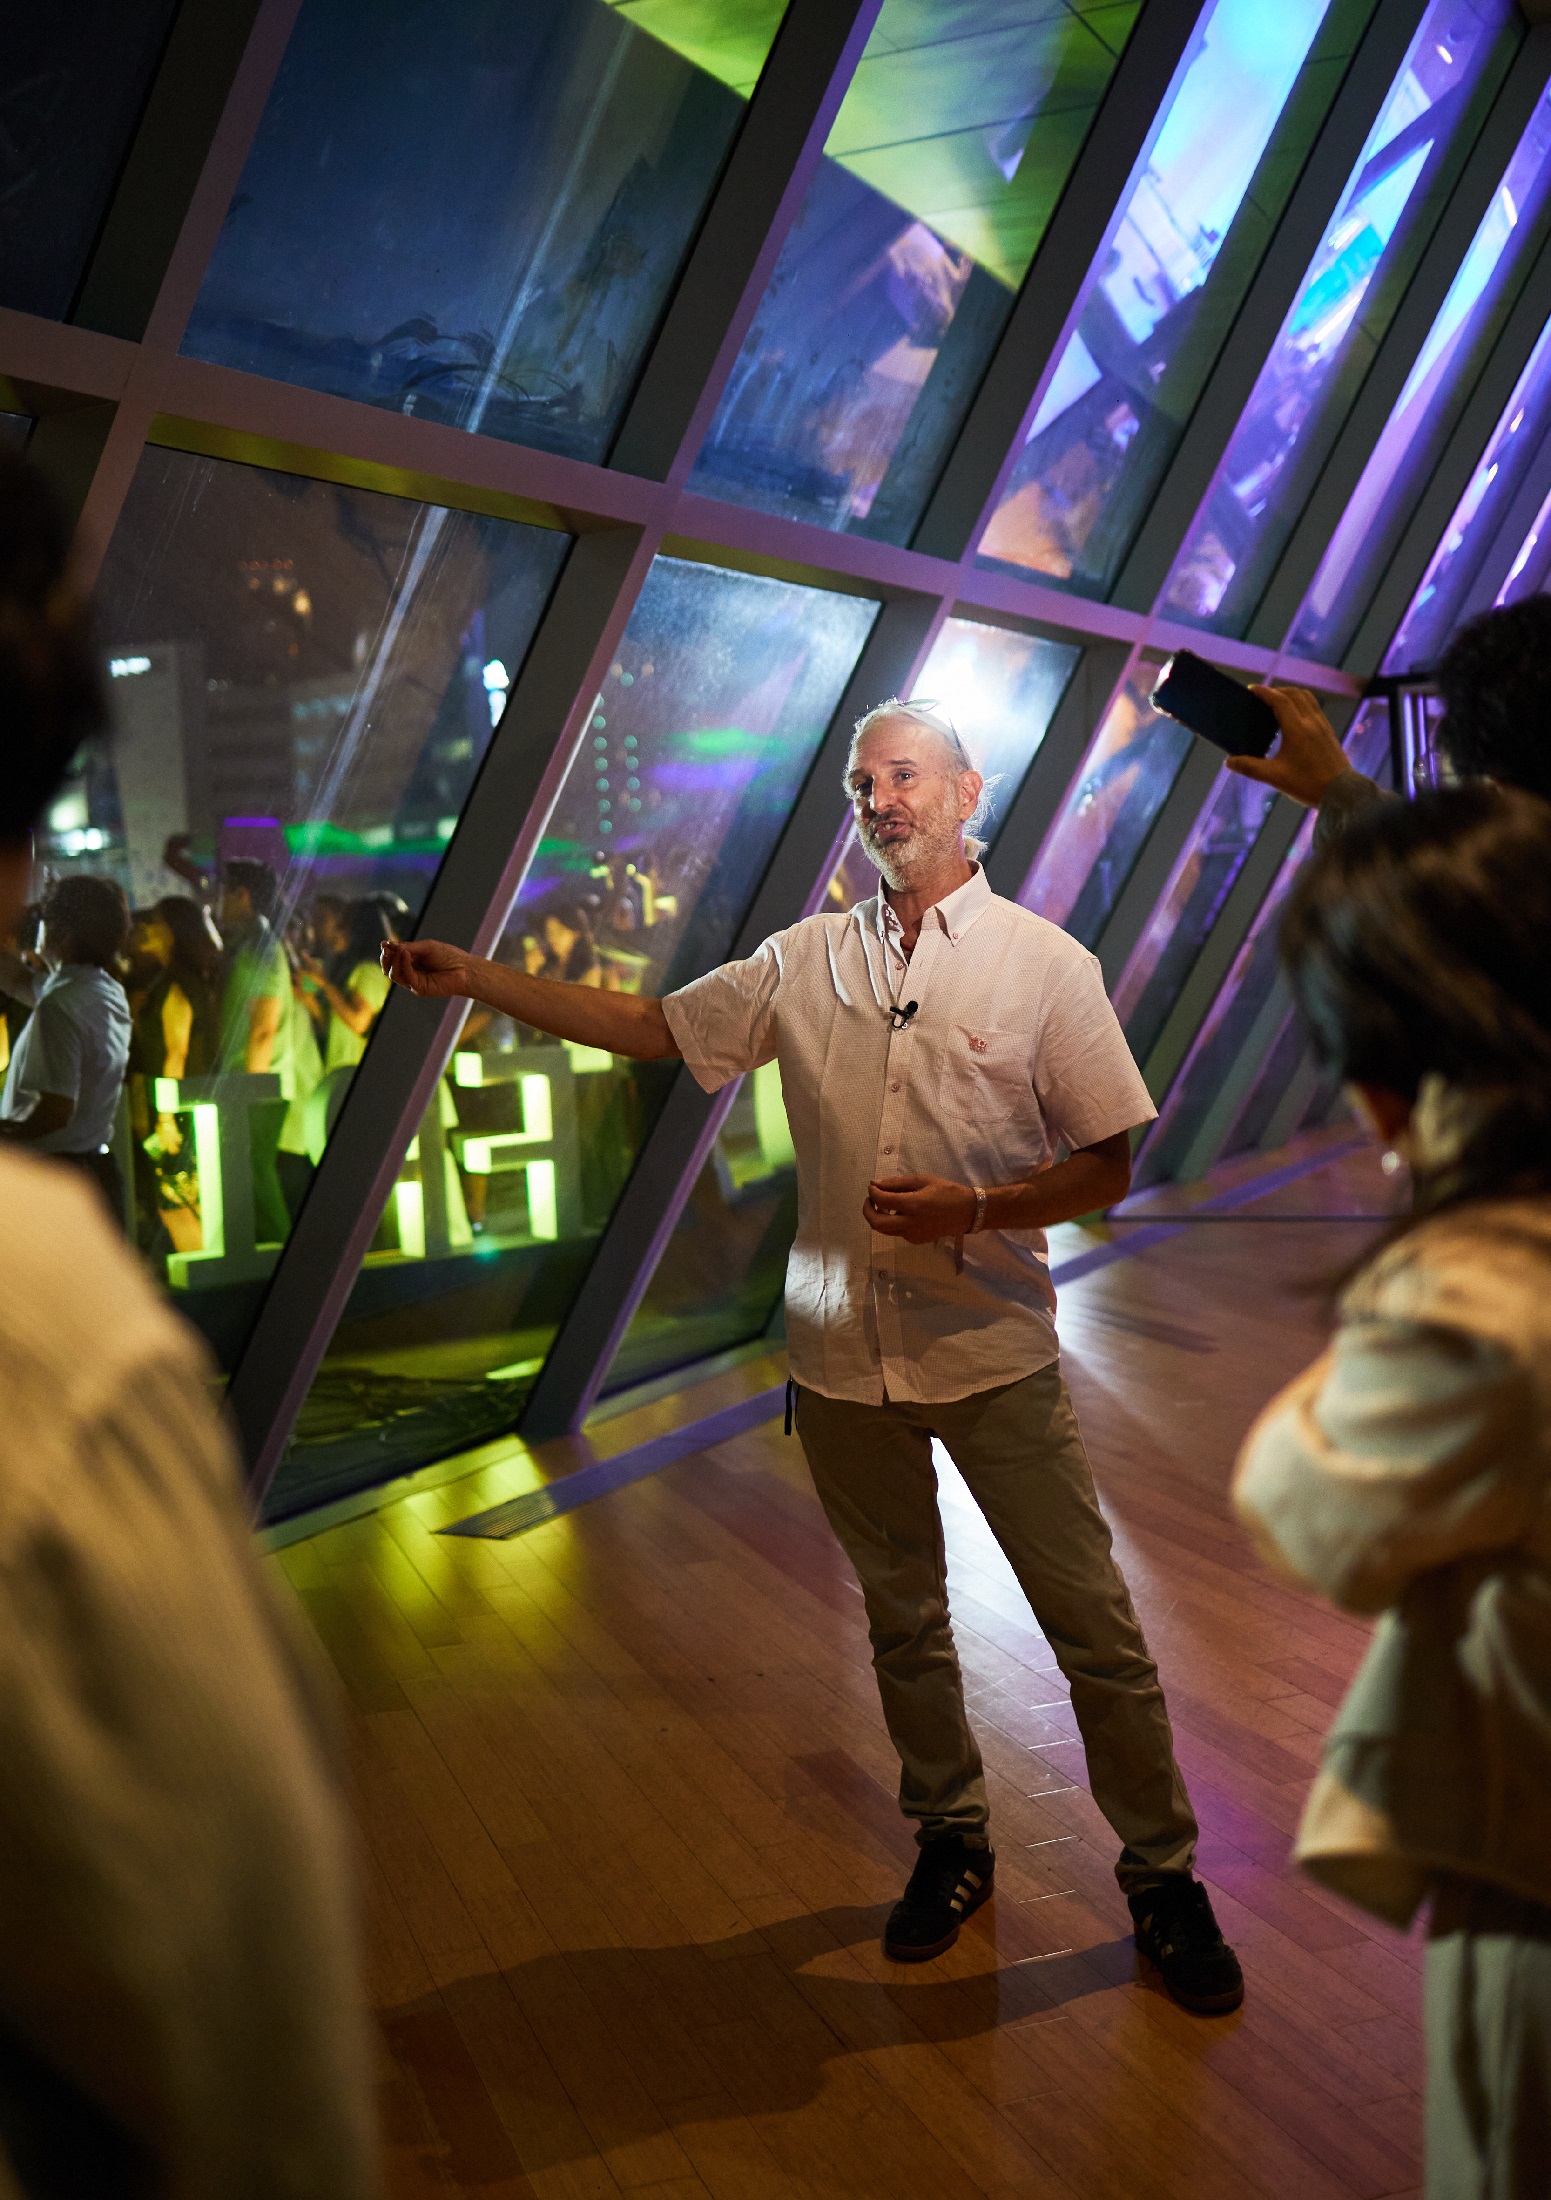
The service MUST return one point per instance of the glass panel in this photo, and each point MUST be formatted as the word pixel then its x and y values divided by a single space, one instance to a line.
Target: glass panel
pixel 1428 406
pixel 704 731
pixel 1248 988
pixel 1344 306
pixel 1109 810
pixel 720 1278
pixel 1440 601
pixel 1203 878
pixel 304 679
pixel 938 179
pixel 1163 293
pixel 76 82
pixel 475 213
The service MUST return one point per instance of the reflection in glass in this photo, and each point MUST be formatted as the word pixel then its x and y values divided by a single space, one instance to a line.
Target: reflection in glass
pixel 1162 295
pixel 304 679
pixel 1109 810
pixel 1427 407
pixel 77 79
pixel 703 732
pixel 1247 992
pixel 720 1278
pixel 1344 305
pixel 1440 601
pixel 474 213
pixel 940 174
pixel 1189 906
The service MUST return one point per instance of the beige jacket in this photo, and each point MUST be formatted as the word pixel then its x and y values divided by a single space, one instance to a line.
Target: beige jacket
pixel 1406 1473
pixel 180 2008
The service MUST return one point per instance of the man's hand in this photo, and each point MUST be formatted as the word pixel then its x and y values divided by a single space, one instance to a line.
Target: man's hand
pixel 919 1209
pixel 428 967
pixel 1309 754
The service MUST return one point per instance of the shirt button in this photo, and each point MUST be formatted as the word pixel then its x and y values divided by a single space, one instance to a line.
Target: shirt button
pixel 888 1149
pixel 895 1086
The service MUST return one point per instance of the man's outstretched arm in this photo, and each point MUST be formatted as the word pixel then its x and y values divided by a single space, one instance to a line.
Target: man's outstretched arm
pixel 620 1023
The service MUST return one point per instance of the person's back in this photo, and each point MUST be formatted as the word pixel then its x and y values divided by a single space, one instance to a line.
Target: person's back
pixel 177 1944
pixel 1407 1473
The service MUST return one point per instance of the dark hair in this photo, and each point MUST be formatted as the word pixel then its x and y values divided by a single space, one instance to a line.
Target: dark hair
pixel 254 879
pixel 195 957
pixel 1416 944
pixel 51 688
pixel 93 915
pixel 371 920
pixel 581 959
pixel 1495 680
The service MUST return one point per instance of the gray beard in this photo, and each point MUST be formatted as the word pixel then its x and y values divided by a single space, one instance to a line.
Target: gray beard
pixel 900 861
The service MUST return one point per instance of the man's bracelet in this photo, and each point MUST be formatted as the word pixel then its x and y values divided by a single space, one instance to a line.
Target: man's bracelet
pixel 981 1195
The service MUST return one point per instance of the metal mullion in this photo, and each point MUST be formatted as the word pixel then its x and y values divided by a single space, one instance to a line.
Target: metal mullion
pixel 197 232
pixel 1090 695
pixel 1050 297
pixel 1258 322
pixel 1227 1104
pixel 525 766
pixel 1219 951
pixel 756 202
pixel 1509 116
pixel 1497 562
pixel 1451 476
pixel 1195 783
pixel 675 1150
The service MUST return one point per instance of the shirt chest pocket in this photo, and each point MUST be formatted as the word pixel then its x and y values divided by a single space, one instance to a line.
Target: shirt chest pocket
pixel 985 1076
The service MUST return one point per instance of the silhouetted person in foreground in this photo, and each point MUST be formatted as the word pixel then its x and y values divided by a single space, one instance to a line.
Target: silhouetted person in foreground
pixel 180 2005
pixel 1407 1473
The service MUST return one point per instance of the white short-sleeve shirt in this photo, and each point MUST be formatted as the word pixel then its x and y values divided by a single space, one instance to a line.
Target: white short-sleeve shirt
pixel 1013 1051
pixel 76 1044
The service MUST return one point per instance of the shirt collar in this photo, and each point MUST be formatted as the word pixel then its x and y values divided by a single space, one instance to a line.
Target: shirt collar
pixel 953 915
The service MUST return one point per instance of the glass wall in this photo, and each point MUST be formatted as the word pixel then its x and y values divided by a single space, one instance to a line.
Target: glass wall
pixel 1344 306
pixel 474 212
pixel 304 679
pixel 1109 810
pixel 720 1278
pixel 942 169
pixel 704 731
pixel 1249 995
pixel 1436 388
pixel 1162 295
pixel 1202 879
pixel 1440 602
pixel 76 82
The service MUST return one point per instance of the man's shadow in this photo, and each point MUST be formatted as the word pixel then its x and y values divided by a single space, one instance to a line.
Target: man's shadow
pixel 742 2027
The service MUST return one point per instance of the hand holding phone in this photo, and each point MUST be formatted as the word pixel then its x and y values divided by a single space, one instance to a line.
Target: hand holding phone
pixel 1214 706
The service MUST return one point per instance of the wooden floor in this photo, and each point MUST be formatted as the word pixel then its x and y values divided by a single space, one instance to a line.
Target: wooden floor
pixel 629 1829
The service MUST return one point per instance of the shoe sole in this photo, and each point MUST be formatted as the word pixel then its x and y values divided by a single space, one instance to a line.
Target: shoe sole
pixel 939 1947
pixel 1199 2005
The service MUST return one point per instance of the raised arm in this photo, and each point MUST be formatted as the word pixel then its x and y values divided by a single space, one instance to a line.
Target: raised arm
pixel 619 1023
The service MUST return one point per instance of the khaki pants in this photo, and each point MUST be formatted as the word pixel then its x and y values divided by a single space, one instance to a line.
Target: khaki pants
pixel 1488 2014
pixel 1020 1452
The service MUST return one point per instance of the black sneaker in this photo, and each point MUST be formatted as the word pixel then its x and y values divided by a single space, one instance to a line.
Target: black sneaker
pixel 950 1881
pixel 1179 1936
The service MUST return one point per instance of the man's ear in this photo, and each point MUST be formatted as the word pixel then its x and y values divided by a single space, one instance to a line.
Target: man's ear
pixel 971 787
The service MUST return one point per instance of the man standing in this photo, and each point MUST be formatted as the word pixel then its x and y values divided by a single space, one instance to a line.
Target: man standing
pixel 937 1046
pixel 62 1088
pixel 256 1027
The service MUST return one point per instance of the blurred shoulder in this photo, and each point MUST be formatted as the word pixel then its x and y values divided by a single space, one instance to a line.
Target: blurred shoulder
pixel 76 1307
pixel 1484 1268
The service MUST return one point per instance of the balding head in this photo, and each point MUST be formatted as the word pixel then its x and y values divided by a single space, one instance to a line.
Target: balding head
pixel 912 787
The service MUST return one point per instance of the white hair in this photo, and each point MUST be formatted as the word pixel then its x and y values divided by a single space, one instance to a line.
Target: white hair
pixel 933 719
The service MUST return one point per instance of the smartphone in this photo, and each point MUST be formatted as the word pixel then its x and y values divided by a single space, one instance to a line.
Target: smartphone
pixel 1215 706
